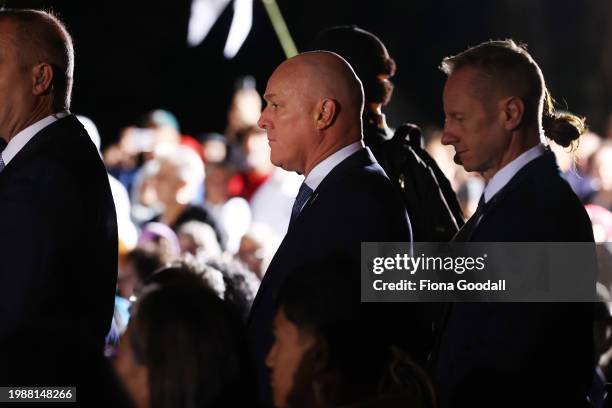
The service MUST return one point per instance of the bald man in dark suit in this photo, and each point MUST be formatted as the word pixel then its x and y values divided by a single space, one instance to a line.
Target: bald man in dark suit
pixel 313 120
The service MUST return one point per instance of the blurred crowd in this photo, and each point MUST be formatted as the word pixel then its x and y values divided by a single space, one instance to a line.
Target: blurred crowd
pixel 236 280
pixel 216 204
pixel 218 195
pixel 209 195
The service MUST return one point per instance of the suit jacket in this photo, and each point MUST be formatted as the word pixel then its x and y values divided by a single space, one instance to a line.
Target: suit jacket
pixel 354 203
pixel 58 257
pixel 522 354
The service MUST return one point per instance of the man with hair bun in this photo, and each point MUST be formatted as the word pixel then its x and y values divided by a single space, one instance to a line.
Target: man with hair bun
pixel 498 115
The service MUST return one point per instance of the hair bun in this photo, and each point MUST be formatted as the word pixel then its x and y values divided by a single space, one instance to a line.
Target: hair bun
pixel 563 128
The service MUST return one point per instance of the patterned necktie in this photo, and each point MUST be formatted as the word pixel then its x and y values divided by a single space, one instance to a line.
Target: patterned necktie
pixel 301 199
pixel 1 163
pixel 465 233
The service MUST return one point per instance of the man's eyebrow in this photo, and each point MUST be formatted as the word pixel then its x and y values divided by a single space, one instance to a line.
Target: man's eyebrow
pixel 268 96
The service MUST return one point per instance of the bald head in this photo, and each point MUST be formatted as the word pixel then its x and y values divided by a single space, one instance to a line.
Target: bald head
pixel 314 103
pixel 324 74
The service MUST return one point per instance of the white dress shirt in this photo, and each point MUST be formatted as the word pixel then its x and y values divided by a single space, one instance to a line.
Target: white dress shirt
pixel 321 170
pixel 503 176
pixel 24 136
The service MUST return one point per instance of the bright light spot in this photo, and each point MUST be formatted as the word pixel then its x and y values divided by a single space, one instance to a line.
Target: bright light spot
pixel 204 14
pixel 241 26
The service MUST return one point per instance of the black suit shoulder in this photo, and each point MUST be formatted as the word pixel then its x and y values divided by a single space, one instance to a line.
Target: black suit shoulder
pixel 354 203
pixel 58 246
pixel 358 201
pixel 492 349
pixel 537 205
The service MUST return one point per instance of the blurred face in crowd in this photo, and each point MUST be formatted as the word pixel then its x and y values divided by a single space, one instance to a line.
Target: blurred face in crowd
pixel 245 108
pixel 603 167
pixel 126 280
pixel 473 125
pixel 217 183
pixel 285 358
pixel 257 152
pixel 16 97
pixel 251 253
pixel 288 117
pixel 215 151
pixel 132 374
pixel 167 182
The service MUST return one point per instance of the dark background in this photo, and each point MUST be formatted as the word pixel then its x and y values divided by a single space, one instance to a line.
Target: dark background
pixel 132 56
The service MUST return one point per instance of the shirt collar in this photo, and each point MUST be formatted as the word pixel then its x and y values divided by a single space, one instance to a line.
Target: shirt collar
pixel 502 177
pixel 321 170
pixel 18 141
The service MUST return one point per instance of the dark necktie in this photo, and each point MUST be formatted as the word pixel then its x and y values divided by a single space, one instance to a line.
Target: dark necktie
pixel 2 147
pixel 301 199
pixel 465 233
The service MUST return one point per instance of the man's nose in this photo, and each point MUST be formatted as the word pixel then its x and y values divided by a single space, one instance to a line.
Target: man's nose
pixel 270 357
pixel 448 138
pixel 262 122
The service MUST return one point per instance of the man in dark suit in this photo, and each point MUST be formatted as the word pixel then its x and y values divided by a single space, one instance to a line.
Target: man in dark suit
pixel 498 116
pixel 313 120
pixel 58 240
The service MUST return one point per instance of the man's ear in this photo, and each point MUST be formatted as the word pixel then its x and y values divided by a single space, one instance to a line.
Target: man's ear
pixel 319 354
pixel 42 78
pixel 327 112
pixel 513 112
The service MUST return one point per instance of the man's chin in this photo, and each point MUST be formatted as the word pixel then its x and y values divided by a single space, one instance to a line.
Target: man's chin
pixel 275 162
pixel 457 159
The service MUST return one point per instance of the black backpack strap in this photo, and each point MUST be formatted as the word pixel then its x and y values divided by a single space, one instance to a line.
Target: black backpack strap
pixel 430 201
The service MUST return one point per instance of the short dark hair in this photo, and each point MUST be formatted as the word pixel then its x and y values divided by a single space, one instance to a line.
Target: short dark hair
pixel 193 346
pixel 366 53
pixel 42 35
pixel 145 262
pixel 229 279
pixel 324 299
pixel 504 63
pixel 189 272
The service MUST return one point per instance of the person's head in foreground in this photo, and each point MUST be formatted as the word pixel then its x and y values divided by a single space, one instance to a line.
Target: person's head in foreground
pixel 314 103
pixel 183 348
pixel 497 106
pixel 330 350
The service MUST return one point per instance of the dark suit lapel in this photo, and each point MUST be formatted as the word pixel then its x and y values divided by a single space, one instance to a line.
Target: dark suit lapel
pixel 344 169
pixel 546 163
pixel 540 165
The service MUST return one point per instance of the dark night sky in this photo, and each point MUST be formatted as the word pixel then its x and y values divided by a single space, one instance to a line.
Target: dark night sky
pixel 132 56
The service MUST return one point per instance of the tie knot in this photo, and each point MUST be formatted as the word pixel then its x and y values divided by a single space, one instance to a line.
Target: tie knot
pixel 481 202
pixel 304 193
pixel 301 199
